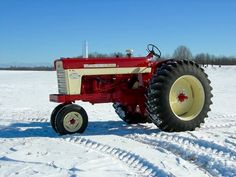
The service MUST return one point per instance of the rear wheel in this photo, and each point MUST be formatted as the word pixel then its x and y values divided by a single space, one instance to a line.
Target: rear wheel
pixel 179 96
pixel 71 119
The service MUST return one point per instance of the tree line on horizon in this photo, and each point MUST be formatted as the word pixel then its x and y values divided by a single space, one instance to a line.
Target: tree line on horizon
pixel 181 52
pixel 27 68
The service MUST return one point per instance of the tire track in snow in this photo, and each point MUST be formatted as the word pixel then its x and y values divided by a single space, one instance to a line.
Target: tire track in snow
pixel 219 125
pixel 24 114
pixel 132 160
pixel 220 116
pixel 204 155
pixel 198 155
pixel 224 125
pixel 231 143
pixel 27 120
pixel 203 145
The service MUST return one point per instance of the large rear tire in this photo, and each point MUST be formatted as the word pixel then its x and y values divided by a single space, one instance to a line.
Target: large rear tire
pixel 179 96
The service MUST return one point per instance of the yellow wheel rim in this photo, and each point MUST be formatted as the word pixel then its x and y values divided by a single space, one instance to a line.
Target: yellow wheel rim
pixel 72 121
pixel 187 97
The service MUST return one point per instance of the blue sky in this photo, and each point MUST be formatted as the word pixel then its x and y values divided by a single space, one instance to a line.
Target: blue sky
pixel 41 31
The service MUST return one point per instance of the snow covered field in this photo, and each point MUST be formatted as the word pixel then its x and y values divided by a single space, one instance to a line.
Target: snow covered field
pixel 109 147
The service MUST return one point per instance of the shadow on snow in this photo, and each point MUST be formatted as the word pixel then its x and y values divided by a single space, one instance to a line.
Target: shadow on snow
pixel 44 129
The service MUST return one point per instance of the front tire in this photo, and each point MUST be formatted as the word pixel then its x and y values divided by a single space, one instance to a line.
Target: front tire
pixel 71 119
pixel 53 115
pixel 179 96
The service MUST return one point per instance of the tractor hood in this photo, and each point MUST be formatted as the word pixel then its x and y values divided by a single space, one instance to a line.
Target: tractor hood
pixel 75 63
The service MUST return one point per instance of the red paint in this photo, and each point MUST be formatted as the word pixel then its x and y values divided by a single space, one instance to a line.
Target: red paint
pixel 75 63
pixel 111 88
pixel 72 121
pixel 182 97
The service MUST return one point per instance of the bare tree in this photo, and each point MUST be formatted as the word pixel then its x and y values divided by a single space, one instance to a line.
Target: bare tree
pixel 182 52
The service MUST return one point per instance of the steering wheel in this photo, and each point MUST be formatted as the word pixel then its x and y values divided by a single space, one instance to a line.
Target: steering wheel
pixel 154 50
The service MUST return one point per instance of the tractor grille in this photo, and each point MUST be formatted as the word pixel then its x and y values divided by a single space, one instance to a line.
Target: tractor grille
pixel 61 78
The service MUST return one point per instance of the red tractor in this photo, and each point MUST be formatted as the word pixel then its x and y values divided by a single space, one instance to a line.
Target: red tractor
pixel 175 95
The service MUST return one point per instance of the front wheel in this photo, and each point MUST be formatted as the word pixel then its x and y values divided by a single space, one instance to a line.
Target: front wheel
pixel 179 96
pixel 53 115
pixel 71 119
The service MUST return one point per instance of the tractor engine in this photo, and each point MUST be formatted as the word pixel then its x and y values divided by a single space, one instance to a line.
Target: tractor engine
pixel 116 80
